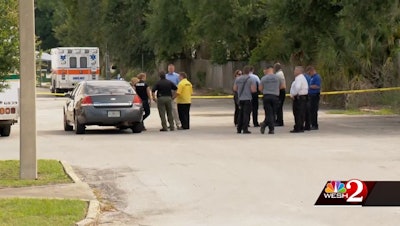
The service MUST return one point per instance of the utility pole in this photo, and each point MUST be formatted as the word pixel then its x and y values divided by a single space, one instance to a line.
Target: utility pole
pixel 107 64
pixel 28 162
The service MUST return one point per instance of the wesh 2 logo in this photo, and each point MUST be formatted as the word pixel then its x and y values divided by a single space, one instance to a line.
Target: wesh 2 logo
pixel 352 192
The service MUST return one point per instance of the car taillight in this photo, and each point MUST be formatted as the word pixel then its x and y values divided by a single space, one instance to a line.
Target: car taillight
pixel 137 100
pixel 87 101
pixel 8 111
pixel 13 110
pixel 2 111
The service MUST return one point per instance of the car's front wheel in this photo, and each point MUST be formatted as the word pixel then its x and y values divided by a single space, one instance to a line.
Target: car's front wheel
pixel 67 127
pixel 5 131
pixel 79 128
pixel 137 127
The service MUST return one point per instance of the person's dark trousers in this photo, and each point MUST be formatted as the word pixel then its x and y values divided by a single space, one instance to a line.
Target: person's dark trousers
pixel 299 109
pixel 314 107
pixel 307 115
pixel 270 104
pixel 244 116
pixel 236 114
pixel 279 111
pixel 146 108
pixel 184 116
pixel 254 109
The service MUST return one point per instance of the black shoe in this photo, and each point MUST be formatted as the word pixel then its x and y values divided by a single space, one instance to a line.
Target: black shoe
pixel 297 131
pixel 262 129
pixel 163 130
pixel 314 128
pixel 238 131
pixel 279 124
pixel 271 132
pixel 307 128
pixel 246 132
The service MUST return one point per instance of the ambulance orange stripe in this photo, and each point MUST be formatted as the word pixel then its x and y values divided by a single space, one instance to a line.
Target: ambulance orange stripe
pixel 74 71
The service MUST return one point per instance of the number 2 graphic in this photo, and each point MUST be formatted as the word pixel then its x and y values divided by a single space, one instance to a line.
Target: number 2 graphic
pixel 353 197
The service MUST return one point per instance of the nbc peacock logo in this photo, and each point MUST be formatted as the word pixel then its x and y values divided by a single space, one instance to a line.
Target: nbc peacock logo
pixel 335 190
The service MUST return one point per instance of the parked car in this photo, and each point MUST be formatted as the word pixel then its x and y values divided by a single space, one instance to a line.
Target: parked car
pixel 103 103
pixel 9 106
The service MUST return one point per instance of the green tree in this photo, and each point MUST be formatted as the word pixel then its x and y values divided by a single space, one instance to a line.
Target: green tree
pixel 167 29
pixel 124 28
pixel 367 33
pixel 295 28
pixel 45 22
pixel 9 38
pixel 82 23
pixel 229 28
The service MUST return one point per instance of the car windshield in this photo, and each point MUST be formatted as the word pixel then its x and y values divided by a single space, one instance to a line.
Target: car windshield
pixel 109 89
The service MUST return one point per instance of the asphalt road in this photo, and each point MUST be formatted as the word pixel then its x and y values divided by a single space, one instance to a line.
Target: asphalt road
pixel 212 176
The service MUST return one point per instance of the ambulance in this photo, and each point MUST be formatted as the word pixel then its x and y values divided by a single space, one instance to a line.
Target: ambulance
pixel 9 105
pixel 71 65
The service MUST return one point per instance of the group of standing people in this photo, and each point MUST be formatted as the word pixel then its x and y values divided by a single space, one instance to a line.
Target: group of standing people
pixel 173 95
pixel 305 92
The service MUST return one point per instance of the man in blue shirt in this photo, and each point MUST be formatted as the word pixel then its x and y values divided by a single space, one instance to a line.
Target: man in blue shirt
pixel 174 78
pixel 313 97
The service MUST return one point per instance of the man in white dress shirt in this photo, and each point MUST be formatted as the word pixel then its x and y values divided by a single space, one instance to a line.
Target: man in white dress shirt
pixel 299 93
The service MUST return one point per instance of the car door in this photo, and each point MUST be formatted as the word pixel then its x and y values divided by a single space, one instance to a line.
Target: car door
pixel 76 103
pixel 70 104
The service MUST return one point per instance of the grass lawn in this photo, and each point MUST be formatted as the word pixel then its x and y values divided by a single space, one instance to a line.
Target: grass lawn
pixel 383 111
pixel 49 172
pixel 41 212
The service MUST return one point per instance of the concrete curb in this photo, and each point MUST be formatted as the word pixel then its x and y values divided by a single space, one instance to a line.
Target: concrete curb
pixel 92 215
pixel 68 170
pixel 93 212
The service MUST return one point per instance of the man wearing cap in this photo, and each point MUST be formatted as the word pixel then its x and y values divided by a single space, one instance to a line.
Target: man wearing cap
pixel 270 85
pixel 299 92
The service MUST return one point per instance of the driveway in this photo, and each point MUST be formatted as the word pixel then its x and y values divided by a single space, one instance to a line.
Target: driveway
pixel 212 176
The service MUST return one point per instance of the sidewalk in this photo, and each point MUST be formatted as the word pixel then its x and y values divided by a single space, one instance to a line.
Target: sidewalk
pixel 77 190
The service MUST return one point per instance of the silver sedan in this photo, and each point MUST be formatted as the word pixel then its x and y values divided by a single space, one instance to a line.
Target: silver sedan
pixel 103 103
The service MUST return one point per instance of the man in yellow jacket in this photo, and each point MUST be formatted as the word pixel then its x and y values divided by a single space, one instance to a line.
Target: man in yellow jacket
pixel 184 100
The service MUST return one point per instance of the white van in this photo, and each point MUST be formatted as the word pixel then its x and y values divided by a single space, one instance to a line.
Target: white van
pixel 9 106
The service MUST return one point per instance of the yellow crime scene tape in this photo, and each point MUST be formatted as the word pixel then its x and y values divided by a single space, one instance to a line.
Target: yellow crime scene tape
pixel 231 96
pixel 322 93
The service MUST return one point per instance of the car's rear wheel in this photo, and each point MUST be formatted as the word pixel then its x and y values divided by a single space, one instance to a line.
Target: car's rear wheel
pixel 67 127
pixel 137 127
pixel 5 131
pixel 79 128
